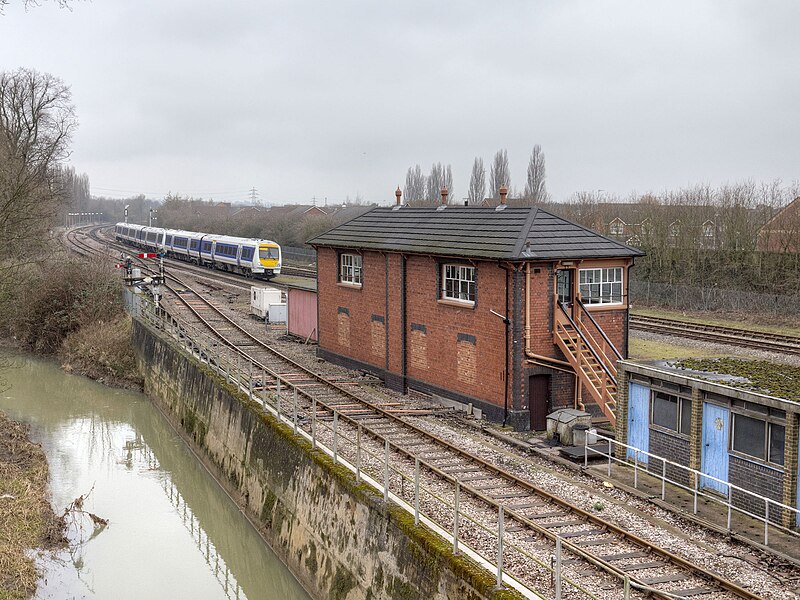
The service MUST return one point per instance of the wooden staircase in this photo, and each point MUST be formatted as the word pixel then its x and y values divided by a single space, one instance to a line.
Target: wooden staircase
pixel 593 359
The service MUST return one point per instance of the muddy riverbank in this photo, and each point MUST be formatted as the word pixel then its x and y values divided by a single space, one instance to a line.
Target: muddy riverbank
pixel 27 519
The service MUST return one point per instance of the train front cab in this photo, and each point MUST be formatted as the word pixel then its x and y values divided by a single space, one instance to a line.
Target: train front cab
pixel 269 255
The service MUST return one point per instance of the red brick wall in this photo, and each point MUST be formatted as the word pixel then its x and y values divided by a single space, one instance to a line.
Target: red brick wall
pixel 472 364
pixel 471 367
pixel 349 317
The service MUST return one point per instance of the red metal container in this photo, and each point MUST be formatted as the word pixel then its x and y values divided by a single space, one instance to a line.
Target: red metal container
pixel 302 320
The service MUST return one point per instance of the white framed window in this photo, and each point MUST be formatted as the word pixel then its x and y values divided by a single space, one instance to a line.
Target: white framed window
pixel 601 286
pixel 458 283
pixel 617 227
pixel 350 268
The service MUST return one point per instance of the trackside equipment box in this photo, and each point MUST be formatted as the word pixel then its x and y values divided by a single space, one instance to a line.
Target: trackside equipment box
pixel 261 298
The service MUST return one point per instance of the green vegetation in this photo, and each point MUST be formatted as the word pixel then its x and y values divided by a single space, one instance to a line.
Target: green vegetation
pixel 640 349
pixel 76 315
pixel 764 377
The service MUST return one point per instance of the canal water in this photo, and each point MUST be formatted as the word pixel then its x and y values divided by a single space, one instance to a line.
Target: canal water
pixel 172 531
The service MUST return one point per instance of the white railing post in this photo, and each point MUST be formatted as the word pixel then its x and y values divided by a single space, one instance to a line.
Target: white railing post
pixel 627 590
pixel 358 454
pixel 416 490
pixel 663 479
pixel 609 458
pixel 314 423
pixel 335 434
pixel 386 472
pixel 730 506
pixel 278 395
pixel 264 386
pixel 557 583
pixel 766 521
pixel 250 378
pixel 294 413
pixel 636 468
pixel 455 517
pixel 500 528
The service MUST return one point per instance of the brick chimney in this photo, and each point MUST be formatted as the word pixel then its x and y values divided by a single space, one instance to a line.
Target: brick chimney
pixel 503 194
pixel 398 194
pixel 444 195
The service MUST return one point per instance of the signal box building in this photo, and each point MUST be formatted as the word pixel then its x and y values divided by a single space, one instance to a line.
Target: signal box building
pixel 513 310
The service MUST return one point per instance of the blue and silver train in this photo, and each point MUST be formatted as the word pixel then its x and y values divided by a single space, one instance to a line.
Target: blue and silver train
pixel 247 256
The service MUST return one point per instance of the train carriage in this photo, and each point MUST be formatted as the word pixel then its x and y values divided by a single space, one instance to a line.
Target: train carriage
pixel 247 256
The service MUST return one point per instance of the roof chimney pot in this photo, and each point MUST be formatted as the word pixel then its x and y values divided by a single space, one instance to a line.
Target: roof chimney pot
pixel 398 194
pixel 444 195
pixel 503 194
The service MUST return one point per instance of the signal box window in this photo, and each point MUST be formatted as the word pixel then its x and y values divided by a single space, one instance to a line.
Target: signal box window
pixel 601 286
pixel 350 269
pixel 458 283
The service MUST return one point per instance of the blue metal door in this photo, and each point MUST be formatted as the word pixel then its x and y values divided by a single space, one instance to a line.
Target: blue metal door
pixel 797 497
pixel 638 420
pixel 714 459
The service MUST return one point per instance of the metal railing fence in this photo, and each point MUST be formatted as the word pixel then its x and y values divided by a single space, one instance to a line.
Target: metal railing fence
pixel 449 508
pixel 696 489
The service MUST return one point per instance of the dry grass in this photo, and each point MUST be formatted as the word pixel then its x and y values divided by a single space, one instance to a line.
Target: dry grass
pixel 102 350
pixel 642 349
pixel 26 517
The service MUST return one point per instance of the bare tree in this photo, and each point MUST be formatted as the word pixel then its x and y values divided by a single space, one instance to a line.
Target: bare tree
pixel 535 188
pixel 415 184
pixel 477 182
pixel 37 120
pixel 500 174
pixel 435 183
pixel 29 3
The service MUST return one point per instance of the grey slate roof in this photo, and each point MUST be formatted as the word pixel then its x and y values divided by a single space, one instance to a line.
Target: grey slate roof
pixel 473 232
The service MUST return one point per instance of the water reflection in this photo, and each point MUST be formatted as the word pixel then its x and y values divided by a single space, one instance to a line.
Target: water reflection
pixel 172 531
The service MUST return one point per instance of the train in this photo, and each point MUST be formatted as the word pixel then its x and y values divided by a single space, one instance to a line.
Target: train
pixel 246 256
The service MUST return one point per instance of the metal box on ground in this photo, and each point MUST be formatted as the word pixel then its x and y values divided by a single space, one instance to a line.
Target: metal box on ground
pixel 563 422
pixel 277 313
pixel 261 298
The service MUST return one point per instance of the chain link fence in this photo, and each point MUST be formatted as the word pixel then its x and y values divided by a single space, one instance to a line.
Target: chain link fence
pixel 688 297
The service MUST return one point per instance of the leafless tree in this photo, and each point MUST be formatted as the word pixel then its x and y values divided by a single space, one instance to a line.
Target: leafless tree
pixel 415 184
pixel 31 3
pixel 37 120
pixel 477 182
pixel 535 188
pixel 500 174
pixel 435 183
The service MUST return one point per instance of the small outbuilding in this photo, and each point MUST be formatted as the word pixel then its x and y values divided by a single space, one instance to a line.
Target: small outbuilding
pixel 513 310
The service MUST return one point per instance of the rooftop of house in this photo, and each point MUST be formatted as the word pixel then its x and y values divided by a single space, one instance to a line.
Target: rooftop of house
pixel 509 233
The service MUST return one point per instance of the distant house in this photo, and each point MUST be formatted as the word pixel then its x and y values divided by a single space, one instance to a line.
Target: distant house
pixel 782 232
pixel 512 310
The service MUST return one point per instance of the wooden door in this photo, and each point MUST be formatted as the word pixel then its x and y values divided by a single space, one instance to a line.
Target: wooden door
pixel 538 401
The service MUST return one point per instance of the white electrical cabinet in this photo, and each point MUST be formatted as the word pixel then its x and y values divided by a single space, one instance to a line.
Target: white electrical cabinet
pixel 261 298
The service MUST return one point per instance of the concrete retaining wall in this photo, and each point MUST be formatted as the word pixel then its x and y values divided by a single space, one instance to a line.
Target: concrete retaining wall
pixel 339 539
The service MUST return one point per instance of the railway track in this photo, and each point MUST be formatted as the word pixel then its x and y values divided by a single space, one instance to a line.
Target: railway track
pixel 756 340
pixel 599 554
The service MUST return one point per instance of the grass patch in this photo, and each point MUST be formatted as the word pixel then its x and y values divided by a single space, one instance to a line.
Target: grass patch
pixel 640 349
pixel 102 350
pixel 26 518
pixel 765 377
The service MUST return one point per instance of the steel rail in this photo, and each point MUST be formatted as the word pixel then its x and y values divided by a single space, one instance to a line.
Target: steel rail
pixel 590 518
pixel 499 472
pixel 722 335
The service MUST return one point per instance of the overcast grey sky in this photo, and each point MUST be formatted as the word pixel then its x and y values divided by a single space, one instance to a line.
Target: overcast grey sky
pixel 335 99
